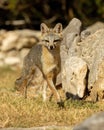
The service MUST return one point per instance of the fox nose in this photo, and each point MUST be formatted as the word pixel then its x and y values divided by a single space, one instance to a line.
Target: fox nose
pixel 51 47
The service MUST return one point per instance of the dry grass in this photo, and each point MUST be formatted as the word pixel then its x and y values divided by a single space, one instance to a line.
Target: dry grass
pixel 15 111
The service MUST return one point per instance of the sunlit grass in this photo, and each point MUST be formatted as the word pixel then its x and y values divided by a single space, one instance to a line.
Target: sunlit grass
pixel 15 111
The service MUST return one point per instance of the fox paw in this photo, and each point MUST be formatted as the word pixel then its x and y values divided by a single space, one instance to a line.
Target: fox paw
pixel 60 104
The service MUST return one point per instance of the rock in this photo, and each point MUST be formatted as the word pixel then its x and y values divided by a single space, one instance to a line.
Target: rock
pixel 29 33
pixel 97 92
pixel 9 41
pixel 24 42
pixel 24 52
pixel 13 53
pixel 2 55
pixel 18 39
pixel 74 77
pixel 98 86
pixel 2 35
pixel 91 29
pixel 70 35
pixel 95 122
pixel 12 61
pixel 92 52
pixel 14 45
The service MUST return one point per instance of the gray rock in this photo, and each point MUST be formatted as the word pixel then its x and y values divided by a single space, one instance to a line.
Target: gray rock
pixel 92 52
pixel 70 50
pixel 24 52
pixel 70 36
pixel 74 77
pixel 91 29
pixel 95 122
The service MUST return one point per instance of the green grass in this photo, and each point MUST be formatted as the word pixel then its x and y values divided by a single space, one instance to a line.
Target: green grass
pixel 15 111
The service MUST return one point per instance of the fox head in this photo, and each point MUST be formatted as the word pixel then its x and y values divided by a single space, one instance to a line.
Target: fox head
pixel 51 37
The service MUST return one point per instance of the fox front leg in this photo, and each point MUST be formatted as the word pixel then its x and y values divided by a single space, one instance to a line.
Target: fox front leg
pixel 55 92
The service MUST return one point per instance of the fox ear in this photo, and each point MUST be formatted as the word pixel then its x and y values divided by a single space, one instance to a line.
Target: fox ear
pixel 44 28
pixel 58 28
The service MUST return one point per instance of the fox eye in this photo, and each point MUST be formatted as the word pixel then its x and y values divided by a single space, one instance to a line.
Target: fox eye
pixel 57 40
pixel 45 40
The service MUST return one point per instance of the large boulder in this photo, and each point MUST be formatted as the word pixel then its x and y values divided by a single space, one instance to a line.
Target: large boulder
pixel 92 52
pixel 71 63
pixel 74 77
pixel 71 35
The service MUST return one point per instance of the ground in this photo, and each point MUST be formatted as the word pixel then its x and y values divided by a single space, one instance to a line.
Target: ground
pixel 15 111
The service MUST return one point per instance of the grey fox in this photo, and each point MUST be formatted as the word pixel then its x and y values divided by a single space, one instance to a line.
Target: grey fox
pixel 45 56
